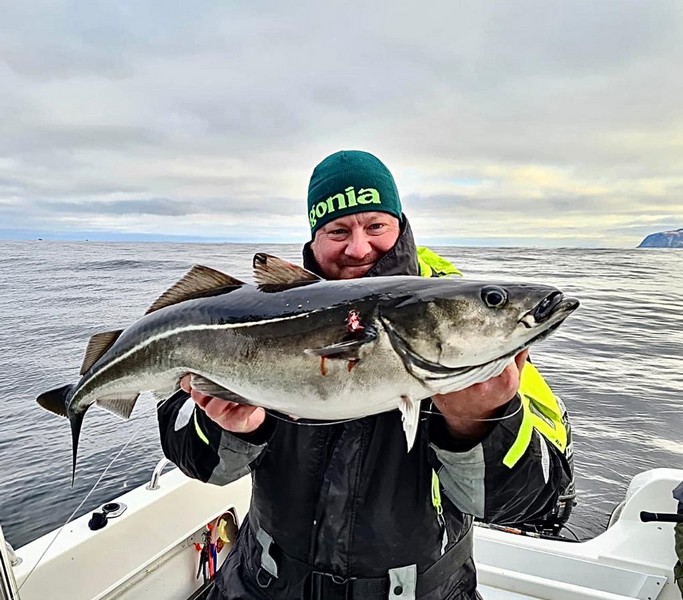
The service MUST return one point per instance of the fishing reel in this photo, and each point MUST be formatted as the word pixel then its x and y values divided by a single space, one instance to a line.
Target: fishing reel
pixel 550 525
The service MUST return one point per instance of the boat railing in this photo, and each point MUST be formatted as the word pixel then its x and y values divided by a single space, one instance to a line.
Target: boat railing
pixel 158 470
pixel 8 585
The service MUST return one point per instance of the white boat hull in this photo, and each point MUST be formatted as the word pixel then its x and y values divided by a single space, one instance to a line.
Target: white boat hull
pixel 148 551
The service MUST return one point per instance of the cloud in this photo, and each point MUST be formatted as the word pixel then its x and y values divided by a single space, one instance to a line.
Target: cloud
pixel 562 118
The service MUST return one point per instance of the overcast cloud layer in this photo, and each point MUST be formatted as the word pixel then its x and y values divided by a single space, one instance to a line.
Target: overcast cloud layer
pixel 504 123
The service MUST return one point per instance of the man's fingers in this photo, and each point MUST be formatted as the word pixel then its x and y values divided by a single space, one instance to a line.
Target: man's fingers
pixel 233 416
pixel 521 358
pixel 239 418
pixel 185 383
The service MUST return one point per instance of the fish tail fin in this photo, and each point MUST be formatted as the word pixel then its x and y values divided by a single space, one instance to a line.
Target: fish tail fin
pixel 76 423
pixel 56 400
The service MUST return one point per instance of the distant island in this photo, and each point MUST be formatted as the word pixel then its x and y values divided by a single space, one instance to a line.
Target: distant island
pixel 663 239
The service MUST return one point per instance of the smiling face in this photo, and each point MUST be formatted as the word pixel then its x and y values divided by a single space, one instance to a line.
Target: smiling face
pixel 350 246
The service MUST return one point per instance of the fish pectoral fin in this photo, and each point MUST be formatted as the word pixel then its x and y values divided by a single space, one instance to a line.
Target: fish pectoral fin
pixel 197 282
pixel 274 274
pixel 410 412
pixel 55 400
pixel 121 406
pixel 98 344
pixel 211 388
pixel 346 349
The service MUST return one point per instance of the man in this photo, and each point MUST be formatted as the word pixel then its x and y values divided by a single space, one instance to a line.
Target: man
pixel 342 510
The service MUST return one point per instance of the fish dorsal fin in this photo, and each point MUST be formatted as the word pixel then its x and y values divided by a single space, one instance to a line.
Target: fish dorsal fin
pixel 272 273
pixel 98 344
pixel 198 281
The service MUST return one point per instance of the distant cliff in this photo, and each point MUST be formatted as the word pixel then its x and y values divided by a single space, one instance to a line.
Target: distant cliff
pixel 663 239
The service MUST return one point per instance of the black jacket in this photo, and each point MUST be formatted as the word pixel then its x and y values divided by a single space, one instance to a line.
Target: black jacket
pixel 348 500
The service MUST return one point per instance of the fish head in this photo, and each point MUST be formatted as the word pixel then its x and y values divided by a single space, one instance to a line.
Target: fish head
pixel 454 323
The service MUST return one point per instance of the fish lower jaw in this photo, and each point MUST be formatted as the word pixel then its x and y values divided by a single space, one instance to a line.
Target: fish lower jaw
pixel 468 376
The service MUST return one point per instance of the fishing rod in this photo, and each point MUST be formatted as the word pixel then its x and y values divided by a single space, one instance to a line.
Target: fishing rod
pixel 528 533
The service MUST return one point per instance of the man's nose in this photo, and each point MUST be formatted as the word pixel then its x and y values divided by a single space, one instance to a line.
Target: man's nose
pixel 358 246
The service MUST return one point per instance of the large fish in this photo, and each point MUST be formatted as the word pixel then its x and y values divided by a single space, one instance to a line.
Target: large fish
pixel 311 348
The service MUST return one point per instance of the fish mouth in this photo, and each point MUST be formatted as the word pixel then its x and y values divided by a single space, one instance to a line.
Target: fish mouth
pixel 553 306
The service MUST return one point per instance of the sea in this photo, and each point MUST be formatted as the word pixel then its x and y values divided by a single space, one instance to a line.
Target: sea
pixel 617 363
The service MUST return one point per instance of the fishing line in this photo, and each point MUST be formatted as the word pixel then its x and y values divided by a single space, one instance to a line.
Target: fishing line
pixel 113 460
pixel 308 423
pixel 431 412
pixel 576 537
pixel 424 411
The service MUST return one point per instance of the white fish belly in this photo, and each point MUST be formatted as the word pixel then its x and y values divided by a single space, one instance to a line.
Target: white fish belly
pixel 305 386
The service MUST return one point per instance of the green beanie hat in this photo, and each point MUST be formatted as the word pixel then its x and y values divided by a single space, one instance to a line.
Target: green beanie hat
pixel 348 182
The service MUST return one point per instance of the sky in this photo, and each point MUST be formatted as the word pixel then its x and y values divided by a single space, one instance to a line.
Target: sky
pixel 509 123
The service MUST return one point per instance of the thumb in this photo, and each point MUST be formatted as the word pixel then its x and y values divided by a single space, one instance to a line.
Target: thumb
pixel 521 358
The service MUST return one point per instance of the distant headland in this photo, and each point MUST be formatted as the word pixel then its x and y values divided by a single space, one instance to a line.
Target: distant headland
pixel 663 239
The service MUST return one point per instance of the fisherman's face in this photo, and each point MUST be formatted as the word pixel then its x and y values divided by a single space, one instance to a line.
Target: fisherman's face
pixel 349 247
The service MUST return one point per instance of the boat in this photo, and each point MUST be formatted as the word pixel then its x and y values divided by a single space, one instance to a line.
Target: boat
pixel 148 543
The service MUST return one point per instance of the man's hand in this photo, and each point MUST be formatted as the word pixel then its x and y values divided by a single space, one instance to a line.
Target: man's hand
pixel 231 416
pixel 465 410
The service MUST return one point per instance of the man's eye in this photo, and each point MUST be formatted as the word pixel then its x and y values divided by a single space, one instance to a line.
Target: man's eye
pixel 377 226
pixel 338 232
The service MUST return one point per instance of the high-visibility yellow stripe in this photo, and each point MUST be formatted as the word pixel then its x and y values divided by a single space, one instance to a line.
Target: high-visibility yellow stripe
pixel 198 429
pixel 546 409
pixel 425 269
pixel 523 439
pixel 541 411
pixel 436 493
pixel 431 263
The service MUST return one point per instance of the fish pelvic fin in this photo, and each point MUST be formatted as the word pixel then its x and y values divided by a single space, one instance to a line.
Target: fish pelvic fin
pixel 273 274
pixel 198 282
pixel 121 406
pixel 410 413
pixel 55 400
pixel 76 421
pixel 97 346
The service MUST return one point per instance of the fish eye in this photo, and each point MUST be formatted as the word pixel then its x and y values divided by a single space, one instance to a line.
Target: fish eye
pixel 494 296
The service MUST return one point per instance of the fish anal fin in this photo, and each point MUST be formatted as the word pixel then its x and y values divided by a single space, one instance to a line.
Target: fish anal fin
pixel 121 406
pixel 198 281
pixel 410 413
pixel 210 388
pixel 98 344
pixel 274 274
pixel 55 400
